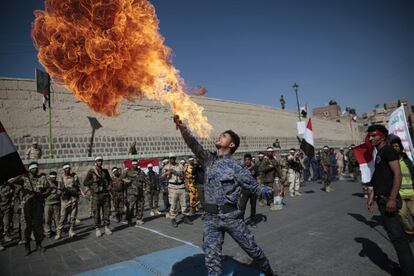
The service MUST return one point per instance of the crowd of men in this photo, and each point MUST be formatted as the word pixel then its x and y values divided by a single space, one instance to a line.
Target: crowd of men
pixel 44 204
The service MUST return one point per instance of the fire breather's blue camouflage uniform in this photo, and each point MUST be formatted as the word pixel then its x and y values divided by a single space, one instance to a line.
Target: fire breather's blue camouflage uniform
pixel 225 177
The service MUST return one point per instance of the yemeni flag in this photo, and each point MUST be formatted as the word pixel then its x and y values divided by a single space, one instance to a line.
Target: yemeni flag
pixel 364 154
pixel 43 87
pixel 307 142
pixel 10 163
pixel 143 164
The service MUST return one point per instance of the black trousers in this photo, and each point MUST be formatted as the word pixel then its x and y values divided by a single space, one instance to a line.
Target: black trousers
pixel 200 192
pixel 243 203
pixel 394 227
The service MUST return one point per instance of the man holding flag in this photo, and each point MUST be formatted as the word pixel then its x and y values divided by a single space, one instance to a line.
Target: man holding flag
pixel 10 166
pixel 386 182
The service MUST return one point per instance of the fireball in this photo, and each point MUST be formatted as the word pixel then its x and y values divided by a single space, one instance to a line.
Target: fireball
pixel 105 51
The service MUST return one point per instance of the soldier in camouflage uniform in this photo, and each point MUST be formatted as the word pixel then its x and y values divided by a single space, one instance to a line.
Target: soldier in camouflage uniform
pixel 52 205
pixel 70 186
pixel 326 166
pixel 174 174
pixel 118 192
pixel 164 188
pixel 33 192
pixel 192 190
pixel 269 169
pixel 283 165
pixel 225 178
pixel 353 165
pixel 152 190
pixel 135 192
pixel 294 168
pixel 6 203
pixel 34 152
pixel 98 181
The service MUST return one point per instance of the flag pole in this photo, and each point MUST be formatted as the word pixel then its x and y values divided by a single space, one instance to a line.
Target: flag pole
pixel 50 132
pixel 50 121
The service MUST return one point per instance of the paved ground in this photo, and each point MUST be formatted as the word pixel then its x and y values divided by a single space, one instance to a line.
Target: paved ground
pixel 315 234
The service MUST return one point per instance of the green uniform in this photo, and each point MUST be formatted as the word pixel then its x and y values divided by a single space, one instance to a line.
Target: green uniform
pixel 98 181
pixel 6 207
pixel 326 166
pixel 70 187
pixel 52 206
pixel 118 195
pixel 135 193
pixel 33 189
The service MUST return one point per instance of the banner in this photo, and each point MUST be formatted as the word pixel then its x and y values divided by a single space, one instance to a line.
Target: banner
pixel 397 125
pixel 43 87
pixel 10 163
pixel 301 126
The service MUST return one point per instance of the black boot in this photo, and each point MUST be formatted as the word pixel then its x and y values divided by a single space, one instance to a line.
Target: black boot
pixel 174 223
pixel 27 248
pixel 40 247
pixel 187 220
pixel 269 272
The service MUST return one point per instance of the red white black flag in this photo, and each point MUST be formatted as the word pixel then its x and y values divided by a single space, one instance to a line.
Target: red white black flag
pixel 364 154
pixel 307 144
pixel 10 163
pixel 43 87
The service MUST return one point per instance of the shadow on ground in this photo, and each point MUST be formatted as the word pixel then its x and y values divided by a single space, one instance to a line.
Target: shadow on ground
pixel 194 265
pixel 378 257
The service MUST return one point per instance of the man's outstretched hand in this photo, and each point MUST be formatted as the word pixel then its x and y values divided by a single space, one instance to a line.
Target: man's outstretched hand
pixel 178 121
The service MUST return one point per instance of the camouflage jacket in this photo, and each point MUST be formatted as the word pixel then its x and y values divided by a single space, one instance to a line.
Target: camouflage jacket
pixel 70 186
pixel 98 181
pixel 33 187
pixel 6 195
pixel 189 176
pixel 225 176
pixel 54 192
pixel 177 176
pixel 118 184
pixel 153 181
pixel 325 159
pixel 269 168
pixel 34 153
pixel 139 182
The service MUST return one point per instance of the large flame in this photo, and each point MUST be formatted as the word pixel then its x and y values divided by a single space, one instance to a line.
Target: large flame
pixel 105 51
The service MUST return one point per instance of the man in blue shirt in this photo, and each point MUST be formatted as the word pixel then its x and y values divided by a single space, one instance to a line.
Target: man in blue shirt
pixel 225 178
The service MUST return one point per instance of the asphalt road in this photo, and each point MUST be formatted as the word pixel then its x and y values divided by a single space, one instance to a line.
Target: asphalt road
pixel 317 233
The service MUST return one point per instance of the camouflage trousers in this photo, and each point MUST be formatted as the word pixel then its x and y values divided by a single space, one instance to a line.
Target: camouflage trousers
pixel 33 218
pixel 213 237
pixel 52 212
pixel 69 208
pixel 294 181
pixel 193 195
pixel 118 199
pixel 327 176
pixel 101 203
pixel 22 222
pixel 135 203
pixel 152 198
pixel 4 221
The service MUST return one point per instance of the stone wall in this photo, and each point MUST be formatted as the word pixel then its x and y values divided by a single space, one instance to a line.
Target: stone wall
pixel 147 123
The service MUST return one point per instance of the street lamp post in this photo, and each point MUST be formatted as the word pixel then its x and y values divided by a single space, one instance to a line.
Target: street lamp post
pixel 295 88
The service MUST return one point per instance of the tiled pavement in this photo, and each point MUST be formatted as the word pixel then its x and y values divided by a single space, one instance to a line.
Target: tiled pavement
pixel 315 234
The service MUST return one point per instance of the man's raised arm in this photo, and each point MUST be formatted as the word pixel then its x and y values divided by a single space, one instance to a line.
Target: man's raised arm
pixel 191 141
